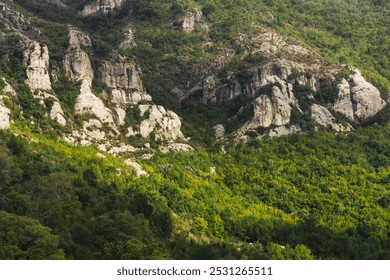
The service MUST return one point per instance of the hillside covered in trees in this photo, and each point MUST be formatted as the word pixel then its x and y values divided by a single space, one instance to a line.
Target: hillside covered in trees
pixel 142 130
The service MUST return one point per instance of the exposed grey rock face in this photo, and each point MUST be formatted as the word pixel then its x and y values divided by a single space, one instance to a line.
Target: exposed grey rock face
pixel 122 76
pixel 284 130
pixel 269 110
pixel 193 18
pixel 163 123
pixel 87 102
pixel 357 98
pixel 78 67
pixel 4 116
pixel 219 131
pixel 102 7
pixel 36 59
pixel 366 97
pixel 343 102
pixel 12 20
pixel 129 41
pixel 323 117
pixel 8 88
pixel 137 168
pixel 176 147
pixel 55 111
pixel 76 61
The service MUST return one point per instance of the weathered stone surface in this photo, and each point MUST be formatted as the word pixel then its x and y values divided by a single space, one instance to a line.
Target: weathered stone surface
pixel 12 20
pixel 4 116
pixel 357 98
pixel 269 110
pixel 129 41
pixel 101 7
pixel 323 117
pixel 87 102
pixel 176 147
pixel 121 72
pixel 137 168
pixel 164 124
pixel 343 102
pixel 122 75
pixel 56 113
pixel 366 97
pixel 193 18
pixel 36 59
pixel 76 61
pixel 219 131
pixel 8 88
pixel 284 130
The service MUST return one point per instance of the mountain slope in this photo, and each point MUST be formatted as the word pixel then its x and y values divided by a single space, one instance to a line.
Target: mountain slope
pixel 144 129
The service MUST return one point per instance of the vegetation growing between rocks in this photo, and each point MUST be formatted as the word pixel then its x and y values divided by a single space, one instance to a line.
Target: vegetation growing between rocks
pixel 314 195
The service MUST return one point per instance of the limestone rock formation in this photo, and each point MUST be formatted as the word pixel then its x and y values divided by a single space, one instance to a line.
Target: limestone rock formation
pixel 343 102
pixel 122 76
pixel 366 97
pixel 76 61
pixel 357 98
pixel 323 117
pixel 284 130
pixel 36 59
pixel 176 147
pixel 129 41
pixel 164 124
pixel 193 18
pixel 8 88
pixel 138 169
pixel 102 7
pixel 274 109
pixel 87 102
pixel 4 116
pixel 78 67
pixel 12 20
pixel 218 131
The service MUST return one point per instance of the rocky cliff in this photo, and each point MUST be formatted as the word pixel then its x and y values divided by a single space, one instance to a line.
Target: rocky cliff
pixel 104 114
pixel 288 86
pixel 286 81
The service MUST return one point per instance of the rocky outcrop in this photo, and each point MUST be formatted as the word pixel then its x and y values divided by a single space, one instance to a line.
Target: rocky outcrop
pixel 78 67
pixel 323 117
pixel 176 147
pixel 366 97
pixel 36 60
pixel 193 18
pixel 137 168
pixel 76 61
pixel 4 116
pixel 343 102
pixel 122 76
pixel 163 124
pixel 8 88
pixel 218 131
pixel 87 102
pixel 273 109
pixel 357 99
pixel 128 41
pixel 284 130
pixel 12 20
pixel 102 7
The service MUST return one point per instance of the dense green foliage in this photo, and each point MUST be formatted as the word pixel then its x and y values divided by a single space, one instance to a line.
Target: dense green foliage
pixel 318 196
pixel 314 195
